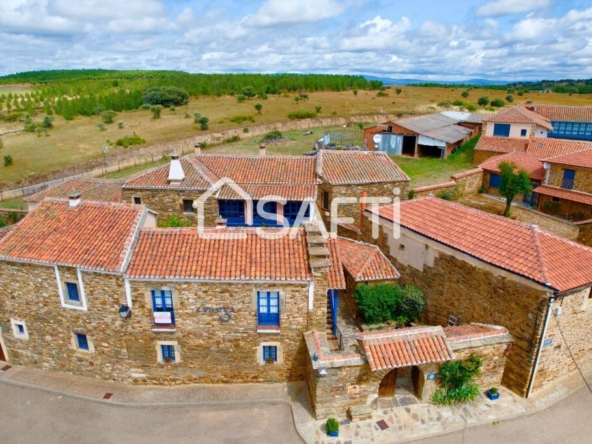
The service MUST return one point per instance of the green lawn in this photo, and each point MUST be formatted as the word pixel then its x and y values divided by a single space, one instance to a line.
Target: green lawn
pixel 17 203
pixel 127 172
pixel 425 171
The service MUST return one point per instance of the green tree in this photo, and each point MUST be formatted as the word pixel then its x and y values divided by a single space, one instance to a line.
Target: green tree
pixel 514 182
pixel 108 116
pixel 1 143
pixel 120 124
pixel 156 110
pixel 355 90
pixel 47 122
pixel 398 91
pixel 483 101
pixel 318 109
pixel 498 103
pixel 510 98
pixel 7 161
pixel 203 123
pixel 241 98
pixel 196 117
pixel 249 92
pixel 258 107
pixel 465 94
pixel 166 96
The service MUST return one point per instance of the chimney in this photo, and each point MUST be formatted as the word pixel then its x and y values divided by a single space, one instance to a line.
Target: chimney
pixel 176 174
pixel 221 223
pixel 197 148
pixel 74 199
pixel 262 150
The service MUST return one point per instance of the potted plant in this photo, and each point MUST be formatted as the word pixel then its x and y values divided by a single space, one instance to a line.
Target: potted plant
pixel 493 393
pixel 332 427
pixel 168 360
pixel 269 361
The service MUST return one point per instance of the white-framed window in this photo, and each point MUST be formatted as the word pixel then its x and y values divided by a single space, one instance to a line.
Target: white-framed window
pixel 81 342
pixel 19 329
pixel 270 353
pixel 72 293
pixel 168 352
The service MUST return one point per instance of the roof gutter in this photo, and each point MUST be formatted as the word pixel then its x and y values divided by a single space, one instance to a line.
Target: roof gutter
pixel 541 344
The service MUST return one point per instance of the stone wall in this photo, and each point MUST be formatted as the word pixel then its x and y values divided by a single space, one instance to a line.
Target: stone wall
pixel 585 232
pixel 170 203
pixel 468 182
pixel 436 190
pixel 567 208
pixel 481 156
pixel 582 181
pixel 457 285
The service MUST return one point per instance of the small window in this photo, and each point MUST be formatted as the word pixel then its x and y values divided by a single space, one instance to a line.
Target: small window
pixel 523 133
pixel 82 341
pixel 389 129
pixel 168 353
pixel 325 200
pixel 270 353
pixel 555 199
pixel 137 200
pixel 188 206
pixel 72 290
pixel 19 329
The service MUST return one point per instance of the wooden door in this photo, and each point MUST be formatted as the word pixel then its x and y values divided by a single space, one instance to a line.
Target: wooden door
pixel 415 379
pixel 386 389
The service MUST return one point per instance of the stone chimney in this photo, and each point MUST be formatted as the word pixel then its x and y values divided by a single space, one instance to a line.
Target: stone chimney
pixel 74 199
pixel 262 150
pixel 221 223
pixel 197 148
pixel 176 174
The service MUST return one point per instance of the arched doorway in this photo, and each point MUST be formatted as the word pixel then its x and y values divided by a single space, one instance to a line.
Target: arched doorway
pixel 387 386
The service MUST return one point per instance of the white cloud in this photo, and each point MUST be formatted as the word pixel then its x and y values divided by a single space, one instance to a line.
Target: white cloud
pixel 376 34
pixel 106 9
pixel 506 7
pixel 284 12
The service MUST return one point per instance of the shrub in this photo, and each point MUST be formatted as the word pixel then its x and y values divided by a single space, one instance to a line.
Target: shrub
pixel 470 107
pixel 258 107
pixel 245 130
pixel 128 141
pixel 378 303
pixel 48 122
pixel 173 110
pixel 498 103
pixel 11 117
pixel 263 96
pixel 186 115
pixel 145 106
pixel 101 126
pixel 332 425
pixel 232 139
pixel 7 161
pixel 196 117
pixel 465 94
pixel 413 302
pixel 398 91
pixel 381 94
pixel 493 390
pixel 242 118
pixel 241 98
pixel 411 194
pixel 248 92
pixel 483 101
pixel 203 123
pixel 481 189
pixel 520 93
pixel 446 195
pixel 108 116
pixel 297 115
pixel 272 136
pixel 318 109
pixel 456 378
pixel 458 103
pixel 1 143
pixel 120 124
pixel 510 98
pixel 578 216
pixel 174 222
pixel 444 104
pixel 156 110
pixel 166 96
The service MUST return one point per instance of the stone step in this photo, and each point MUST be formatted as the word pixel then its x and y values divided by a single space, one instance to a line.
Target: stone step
pixel 359 413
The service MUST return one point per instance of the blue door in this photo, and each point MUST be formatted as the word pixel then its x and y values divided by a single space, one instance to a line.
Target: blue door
pixel 531 198
pixel 162 301
pixel 268 307
pixel 495 181
pixel 568 179
pixel 334 301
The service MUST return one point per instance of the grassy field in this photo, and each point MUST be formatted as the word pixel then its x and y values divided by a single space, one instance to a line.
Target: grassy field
pixel 73 142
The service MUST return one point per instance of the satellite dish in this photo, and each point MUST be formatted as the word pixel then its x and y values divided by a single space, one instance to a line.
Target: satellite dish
pixel 376 138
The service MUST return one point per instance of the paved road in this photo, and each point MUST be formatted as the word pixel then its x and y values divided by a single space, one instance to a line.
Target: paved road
pixel 32 416
pixel 568 422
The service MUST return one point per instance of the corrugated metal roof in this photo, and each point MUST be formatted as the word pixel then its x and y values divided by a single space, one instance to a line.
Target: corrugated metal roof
pixel 429 122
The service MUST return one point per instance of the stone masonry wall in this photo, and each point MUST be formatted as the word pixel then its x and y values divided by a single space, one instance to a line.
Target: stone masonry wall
pixel 481 156
pixel 170 203
pixel 468 185
pixel 585 233
pixel 566 208
pixel 582 181
pixel 475 293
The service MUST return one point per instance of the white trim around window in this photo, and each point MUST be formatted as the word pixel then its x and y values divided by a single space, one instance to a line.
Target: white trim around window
pixel 16 331
pixel 280 352
pixel 82 305
pixel 159 357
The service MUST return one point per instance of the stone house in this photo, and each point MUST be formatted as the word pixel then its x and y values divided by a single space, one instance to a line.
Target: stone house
pixel 477 267
pixel 567 187
pixel 516 122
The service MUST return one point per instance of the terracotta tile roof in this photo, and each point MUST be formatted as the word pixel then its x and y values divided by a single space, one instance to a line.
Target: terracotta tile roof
pixel 519 114
pixel 501 144
pixel 91 189
pixel 158 178
pixel 261 169
pixel 288 192
pixel 562 193
pixel 543 147
pixel 5 230
pixel 531 164
pixel 356 167
pixel 405 347
pixel 181 253
pixel 92 235
pixel 561 113
pixel 466 173
pixel 364 262
pixel 469 332
pixel 521 249
pixel 581 159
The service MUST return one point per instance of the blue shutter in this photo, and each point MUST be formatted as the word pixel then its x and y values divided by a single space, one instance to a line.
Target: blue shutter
pixel 501 129
pixel 568 179
pixel 268 304
pixel 495 180
pixel 270 353
pixel 168 352
pixel 233 211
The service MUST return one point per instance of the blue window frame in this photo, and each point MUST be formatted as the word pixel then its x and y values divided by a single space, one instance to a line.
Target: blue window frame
pixel 260 220
pixel 523 133
pixel 571 130
pixel 568 179
pixel 268 308
pixel 72 290
pixel 270 353
pixel 501 129
pixel 292 210
pixel 495 181
pixel 20 328
pixel 168 352
pixel 233 211
pixel 82 341
pixel 162 301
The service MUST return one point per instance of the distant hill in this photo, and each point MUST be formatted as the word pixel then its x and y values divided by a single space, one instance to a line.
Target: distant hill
pixel 475 82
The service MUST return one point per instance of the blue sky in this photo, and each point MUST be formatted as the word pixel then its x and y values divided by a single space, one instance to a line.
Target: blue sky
pixel 449 40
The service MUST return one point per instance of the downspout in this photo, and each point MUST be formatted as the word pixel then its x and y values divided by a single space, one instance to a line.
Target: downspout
pixel 541 344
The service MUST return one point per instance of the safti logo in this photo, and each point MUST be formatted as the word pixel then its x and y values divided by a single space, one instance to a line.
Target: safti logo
pixel 281 225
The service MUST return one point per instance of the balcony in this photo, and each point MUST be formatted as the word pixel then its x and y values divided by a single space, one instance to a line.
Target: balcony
pixel 567 183
pixel 163 321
